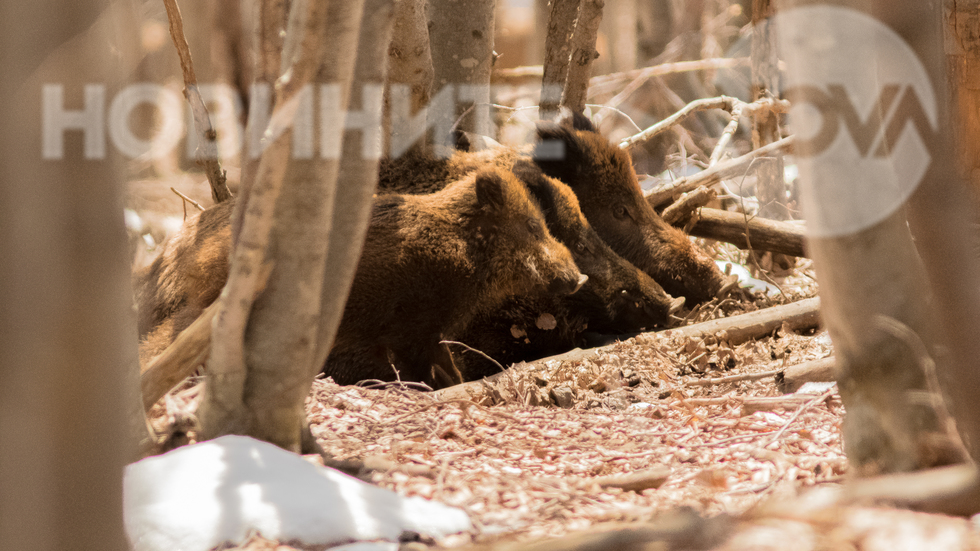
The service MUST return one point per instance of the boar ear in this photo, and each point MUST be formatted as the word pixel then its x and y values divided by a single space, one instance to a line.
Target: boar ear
pixel 558 151
pixel 490 190
pixel 578 121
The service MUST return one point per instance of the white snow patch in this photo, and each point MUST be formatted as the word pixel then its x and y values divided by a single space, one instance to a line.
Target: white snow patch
pixel 199 496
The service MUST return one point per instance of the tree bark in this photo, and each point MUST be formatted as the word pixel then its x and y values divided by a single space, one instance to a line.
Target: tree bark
pixel 557 49
pixel 409 65
pixel 223 409
pixel 753 232
pixel 358 174
pixel 461 39
pixel 771 187
pixel 269 18
pixel 874 289
pixel 583 54
pixel 68 390
pixel 945 212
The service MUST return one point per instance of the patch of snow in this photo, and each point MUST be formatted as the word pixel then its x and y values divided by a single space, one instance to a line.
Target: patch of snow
pixel 199 496
pixel 746 280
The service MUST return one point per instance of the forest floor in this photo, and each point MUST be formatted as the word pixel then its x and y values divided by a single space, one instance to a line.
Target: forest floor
pixel 689 437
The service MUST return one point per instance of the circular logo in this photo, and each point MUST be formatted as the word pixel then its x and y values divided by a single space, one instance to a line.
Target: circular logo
pixel 863 114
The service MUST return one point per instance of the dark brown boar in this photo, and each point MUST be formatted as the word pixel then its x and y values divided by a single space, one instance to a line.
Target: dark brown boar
pixel 603 179
pixel 430 262
pixel 602 176
pixel 618 298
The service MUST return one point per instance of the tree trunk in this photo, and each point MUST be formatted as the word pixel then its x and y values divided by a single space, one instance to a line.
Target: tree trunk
pixel 269 19
pixel 316 236
pixel 620 25
pixel 771 187
pixel 875 293
pixel 409 67
pixel 224 409
pixel 68 367
pixel 557 52
pixel 583 54
pixel 358 174
pixel 945 217
pixel 461 38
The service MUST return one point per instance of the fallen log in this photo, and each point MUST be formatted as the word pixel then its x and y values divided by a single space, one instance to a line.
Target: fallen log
pixel 755 233
pixel 816 371
pixel 190 349
pixel 735 330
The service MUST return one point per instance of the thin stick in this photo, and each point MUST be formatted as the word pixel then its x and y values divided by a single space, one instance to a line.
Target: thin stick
pixel 187 199
pixel 471 349
pixel 799 412
pixel 734 378
pixel 536 71
pixel 726 135
pixel 721 102
pixel 202 122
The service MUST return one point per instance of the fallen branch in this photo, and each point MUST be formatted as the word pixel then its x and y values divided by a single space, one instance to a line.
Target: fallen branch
pixel 735 330
pixel 637 481
pixel 202 122
pixel 761 233
pixel 734 378
pixel 728 169
pixel 179 360
pixel 684 208
pixel 816 371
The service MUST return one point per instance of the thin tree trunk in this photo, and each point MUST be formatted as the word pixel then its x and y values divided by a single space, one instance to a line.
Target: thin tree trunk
pixel 231 45
pixel 557 52
pixel 223 409
pixel 583 54
pixel 461 39
pixel 945 211
pixel 282 335
pixel 409 65
pixel 270 20
pixel 358 174
pixel 620 26
pixel 68 343
pixel 771 188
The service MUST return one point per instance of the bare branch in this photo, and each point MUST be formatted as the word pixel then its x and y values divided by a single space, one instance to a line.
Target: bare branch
pixel 202 122
pixel 715 174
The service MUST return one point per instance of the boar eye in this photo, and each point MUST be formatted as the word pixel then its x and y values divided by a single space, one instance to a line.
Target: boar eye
pixel 620 211
pixel 533 226
pixel 580 247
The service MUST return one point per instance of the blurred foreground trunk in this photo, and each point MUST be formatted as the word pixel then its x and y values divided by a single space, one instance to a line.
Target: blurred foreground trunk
pixel 878 297
pixel 68 371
